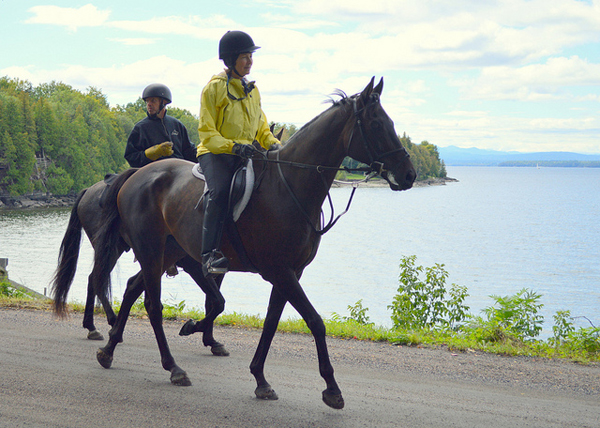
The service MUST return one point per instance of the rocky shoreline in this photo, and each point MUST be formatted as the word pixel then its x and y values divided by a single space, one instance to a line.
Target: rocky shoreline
pixel 438 181
pixel 43 200
pixel 36 201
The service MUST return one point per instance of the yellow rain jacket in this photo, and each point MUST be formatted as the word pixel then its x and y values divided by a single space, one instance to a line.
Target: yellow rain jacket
pixel 224 121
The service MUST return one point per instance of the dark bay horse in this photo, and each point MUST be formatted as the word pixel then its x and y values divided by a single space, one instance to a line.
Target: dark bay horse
pixel 86 214
pixel 279 229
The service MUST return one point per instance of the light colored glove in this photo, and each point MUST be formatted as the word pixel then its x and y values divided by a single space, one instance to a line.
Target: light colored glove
pixel 160 150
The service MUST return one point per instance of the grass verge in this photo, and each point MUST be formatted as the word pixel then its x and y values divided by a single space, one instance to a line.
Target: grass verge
pixel 348 329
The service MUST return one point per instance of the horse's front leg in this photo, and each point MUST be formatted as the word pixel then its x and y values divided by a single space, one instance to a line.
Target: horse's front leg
pixel 214 305
pixel 287 283
pixel 135 287
pixel 257 366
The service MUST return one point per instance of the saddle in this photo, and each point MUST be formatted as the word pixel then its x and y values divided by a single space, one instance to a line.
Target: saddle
pixel 242 186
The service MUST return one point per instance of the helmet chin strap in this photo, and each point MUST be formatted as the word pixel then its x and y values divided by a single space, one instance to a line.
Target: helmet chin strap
pixel 233 70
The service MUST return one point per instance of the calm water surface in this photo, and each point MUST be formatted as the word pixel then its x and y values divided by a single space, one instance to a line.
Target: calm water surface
pixel 497 231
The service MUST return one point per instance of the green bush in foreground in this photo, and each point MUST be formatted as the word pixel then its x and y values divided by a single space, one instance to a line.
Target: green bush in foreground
pixel 426 303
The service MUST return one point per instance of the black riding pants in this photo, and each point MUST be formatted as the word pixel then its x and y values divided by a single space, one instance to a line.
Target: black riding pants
pixel 218 171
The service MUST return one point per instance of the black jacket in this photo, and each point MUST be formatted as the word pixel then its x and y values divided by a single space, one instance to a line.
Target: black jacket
pixel 151 131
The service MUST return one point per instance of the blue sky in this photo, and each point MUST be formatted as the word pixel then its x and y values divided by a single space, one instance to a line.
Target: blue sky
pixel 506 75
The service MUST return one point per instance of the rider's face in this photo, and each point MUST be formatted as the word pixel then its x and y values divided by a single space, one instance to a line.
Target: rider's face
pixel 153 105
pixel 243 64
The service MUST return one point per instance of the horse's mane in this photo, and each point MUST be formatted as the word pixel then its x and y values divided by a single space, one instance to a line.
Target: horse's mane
pixel 343 99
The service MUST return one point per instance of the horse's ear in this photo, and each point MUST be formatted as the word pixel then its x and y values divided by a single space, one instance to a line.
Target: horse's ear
pixel 379 87
pixel 367 91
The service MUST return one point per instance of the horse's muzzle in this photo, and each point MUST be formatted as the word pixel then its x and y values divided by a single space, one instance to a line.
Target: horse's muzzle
pixel 404 183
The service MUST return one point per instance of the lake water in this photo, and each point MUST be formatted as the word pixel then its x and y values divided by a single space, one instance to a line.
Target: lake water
pixel 496 230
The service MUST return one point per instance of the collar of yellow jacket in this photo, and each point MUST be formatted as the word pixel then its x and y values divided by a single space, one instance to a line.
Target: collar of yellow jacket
pixel 233 83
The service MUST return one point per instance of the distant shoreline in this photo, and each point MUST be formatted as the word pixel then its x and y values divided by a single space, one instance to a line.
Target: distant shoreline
pixel 39 201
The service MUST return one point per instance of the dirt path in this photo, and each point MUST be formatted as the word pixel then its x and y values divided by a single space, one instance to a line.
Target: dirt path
pixel 50 378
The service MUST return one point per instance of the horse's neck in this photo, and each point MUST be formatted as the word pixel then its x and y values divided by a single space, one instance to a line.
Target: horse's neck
pixel 320 144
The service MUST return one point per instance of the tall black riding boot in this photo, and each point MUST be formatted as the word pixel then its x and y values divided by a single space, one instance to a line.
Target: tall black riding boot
pixel 213 260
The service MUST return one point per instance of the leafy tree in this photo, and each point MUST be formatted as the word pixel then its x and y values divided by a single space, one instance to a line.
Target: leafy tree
pixel 58 139
pixel 189 121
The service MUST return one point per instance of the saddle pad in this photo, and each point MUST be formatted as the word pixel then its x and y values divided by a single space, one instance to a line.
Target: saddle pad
pixel 249 186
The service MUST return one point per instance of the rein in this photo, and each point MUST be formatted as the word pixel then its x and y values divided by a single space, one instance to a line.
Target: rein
pixel 332 221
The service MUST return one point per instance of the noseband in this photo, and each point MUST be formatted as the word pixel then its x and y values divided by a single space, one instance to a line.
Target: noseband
pixel 375 158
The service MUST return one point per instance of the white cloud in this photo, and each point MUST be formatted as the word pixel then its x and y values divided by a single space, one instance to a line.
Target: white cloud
pixel 490 51
pixel 135 41
pixel 85 16
pixel 534 82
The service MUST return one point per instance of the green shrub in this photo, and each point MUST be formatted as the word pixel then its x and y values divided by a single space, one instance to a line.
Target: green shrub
pixel 8 290
pixel 427 304
pixel 567 338
pixel 517 314
pixel 358 314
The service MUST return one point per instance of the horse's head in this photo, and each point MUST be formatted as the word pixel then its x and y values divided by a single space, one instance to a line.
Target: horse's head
pixel 373 139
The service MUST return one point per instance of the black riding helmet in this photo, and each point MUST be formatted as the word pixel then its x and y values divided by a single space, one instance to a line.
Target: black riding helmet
pixel 157 90
pixel 234 43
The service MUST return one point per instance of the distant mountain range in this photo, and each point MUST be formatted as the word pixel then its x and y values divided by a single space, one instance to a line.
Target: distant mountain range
pixel 453 155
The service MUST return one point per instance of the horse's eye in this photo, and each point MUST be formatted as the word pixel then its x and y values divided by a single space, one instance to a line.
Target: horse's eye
pixel 376 126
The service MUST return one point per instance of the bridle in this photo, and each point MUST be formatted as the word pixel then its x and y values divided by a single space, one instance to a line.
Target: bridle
pixel 375 159
pixel 375 167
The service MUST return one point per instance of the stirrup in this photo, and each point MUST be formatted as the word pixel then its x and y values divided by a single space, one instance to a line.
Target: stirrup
pixel 214 263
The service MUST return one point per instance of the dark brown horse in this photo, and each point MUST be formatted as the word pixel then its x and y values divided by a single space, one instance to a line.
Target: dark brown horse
pixel 279 228
pixel 86 214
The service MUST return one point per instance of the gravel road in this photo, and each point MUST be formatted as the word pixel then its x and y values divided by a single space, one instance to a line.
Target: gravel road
pixel 50 378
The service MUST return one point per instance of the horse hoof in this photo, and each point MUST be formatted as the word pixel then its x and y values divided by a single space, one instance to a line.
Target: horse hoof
pixel 335 401
pixel 219 350
pixel 104 359
pixel 95 335
pixel 266 393
pixel 180 378
pixel 188 328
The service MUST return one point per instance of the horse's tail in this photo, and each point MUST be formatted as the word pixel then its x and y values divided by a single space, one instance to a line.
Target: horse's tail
pixel 68 255
pixel 108 236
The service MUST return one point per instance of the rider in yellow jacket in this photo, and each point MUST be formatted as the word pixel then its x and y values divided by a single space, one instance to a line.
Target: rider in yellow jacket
pixel 231 119
pixel 224 120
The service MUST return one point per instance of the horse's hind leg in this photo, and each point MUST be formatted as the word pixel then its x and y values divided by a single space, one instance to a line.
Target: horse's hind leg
pixel 135 287
pixel 287 284
pixel 88 314
pixel 88 317
pixel 152 269
pixel 214 305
